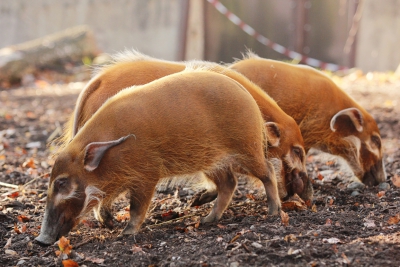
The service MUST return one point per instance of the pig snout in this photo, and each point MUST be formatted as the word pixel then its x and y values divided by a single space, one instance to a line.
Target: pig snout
pixel 297 182
pixel 49 230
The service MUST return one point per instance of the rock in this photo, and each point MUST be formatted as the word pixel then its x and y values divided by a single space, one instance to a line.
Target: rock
pixel 356 186
pixel 21 262
pixel 234 264
pixel 256 245
pixel 384 186
pixel 326 172
pixel 10 252
pixel 355 193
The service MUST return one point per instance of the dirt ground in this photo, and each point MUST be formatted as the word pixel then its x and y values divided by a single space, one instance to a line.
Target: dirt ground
pixel 355 226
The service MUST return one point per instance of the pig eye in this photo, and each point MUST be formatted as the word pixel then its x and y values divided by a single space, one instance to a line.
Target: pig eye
pixel 376 140
pixel 60 184
pixel 297 151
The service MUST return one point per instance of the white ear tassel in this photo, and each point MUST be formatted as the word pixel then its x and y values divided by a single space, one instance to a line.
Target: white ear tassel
pixel 349 112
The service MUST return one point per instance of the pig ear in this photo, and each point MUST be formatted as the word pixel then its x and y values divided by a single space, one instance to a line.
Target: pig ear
pixel 354 114
pixel 94 152
pixel 274 134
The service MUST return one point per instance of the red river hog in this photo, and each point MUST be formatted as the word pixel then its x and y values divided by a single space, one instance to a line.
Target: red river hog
pixel 182 124
pixel 329 119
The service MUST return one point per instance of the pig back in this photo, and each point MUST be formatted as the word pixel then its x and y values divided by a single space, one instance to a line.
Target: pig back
pixel 182 123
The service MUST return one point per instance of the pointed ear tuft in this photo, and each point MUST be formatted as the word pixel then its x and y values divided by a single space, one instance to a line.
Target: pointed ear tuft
pixel 95 151
pixel 273 133
pixel 354 114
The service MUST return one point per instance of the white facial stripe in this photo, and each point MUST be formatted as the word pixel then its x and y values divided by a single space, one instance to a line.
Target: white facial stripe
pixel 294 162
pixel 93 196
pixel 357 143
pixel 62 197
pixel 373 149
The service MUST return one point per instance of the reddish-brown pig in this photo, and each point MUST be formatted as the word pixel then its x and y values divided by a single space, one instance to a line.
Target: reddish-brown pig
pixel 133 68
pixel 182 124
pixel 329 119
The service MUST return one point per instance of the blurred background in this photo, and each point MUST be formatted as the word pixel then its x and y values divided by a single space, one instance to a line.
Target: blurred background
pixel 352 33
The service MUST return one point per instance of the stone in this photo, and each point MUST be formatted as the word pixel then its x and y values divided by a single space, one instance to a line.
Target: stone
pixel 384 186
pixel 356 186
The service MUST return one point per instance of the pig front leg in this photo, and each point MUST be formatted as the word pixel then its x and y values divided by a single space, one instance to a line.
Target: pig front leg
pixel 226 183
pixel 140 199
pixel 103 213
pixel 271 190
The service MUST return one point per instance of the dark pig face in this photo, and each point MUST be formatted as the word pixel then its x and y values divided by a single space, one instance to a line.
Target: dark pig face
pixel 360 144
pixel 65 201
pixel 287 144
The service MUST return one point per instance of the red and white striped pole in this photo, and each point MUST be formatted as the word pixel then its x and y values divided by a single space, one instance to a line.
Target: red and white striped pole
pixel 276 47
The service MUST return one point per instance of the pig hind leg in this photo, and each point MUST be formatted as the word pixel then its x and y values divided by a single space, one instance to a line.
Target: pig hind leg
pixel 206 196
pixel 140 199
pixel 226 183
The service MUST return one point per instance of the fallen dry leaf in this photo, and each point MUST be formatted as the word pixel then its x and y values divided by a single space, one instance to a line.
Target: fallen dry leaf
pixel 294 203
pixel 30 163
pixel 16 229
pixel 95 260
pixel 24 228
pixel 8 244
pixel 70 263
pixel 314 208
pixel 23 218
pixel 290 238
pixel 320 177
pixel 170 215
pixel 123 216
pixel 284 218
pixel 137 249
pixel 13 195
pixel 394 219
pixel 328 222
pixel 10 252
pixel 396 180
pixel 250 196
pixel 220 226
pixel 380 194
pixel 64 245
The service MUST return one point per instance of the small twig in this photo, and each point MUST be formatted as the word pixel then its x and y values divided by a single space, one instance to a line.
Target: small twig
pixel 83 243
pixel 171 221
pixel 34 180
pixel 47 253
pixel 9 185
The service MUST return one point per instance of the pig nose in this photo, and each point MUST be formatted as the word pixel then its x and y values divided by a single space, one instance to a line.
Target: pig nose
pixel 297 182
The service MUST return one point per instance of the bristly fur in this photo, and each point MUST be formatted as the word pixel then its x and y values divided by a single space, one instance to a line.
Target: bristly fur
pixel 128 55
pixel 94 196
